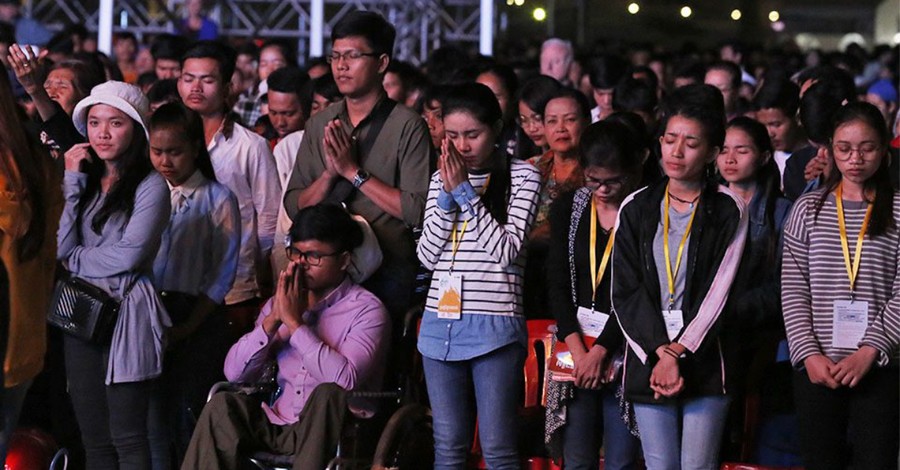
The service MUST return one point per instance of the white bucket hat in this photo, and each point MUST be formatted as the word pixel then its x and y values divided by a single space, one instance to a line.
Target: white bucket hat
pixel 120 95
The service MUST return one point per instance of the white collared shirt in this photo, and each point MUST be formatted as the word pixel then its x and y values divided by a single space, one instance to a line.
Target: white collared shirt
pixel 244 164
pixel 285 154
pixel 199 249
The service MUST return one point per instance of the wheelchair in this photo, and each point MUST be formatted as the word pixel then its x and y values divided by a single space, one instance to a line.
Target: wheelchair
pixel 398 436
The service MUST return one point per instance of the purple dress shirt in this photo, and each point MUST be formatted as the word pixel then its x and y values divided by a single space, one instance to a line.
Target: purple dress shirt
pixel 344 340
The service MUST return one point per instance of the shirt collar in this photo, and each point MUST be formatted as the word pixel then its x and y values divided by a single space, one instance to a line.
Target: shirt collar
pixel 333 297
pixel 344 116
pixel 189 186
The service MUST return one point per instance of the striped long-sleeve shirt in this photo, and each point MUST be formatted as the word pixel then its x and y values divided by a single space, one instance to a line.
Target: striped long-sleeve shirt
pixel 814 277
pixel 490 259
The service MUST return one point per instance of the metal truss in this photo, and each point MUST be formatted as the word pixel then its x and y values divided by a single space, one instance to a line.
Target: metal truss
pixel 422 25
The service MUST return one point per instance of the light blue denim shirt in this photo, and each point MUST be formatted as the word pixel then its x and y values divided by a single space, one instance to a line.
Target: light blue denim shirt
pixel 472 335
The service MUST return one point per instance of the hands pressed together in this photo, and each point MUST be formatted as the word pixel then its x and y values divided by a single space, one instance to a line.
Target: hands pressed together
pixel 452 167
pixel 291 300
pixel 338 145
pixel 666 379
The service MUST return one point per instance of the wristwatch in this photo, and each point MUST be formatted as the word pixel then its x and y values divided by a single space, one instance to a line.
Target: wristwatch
pixel 361 177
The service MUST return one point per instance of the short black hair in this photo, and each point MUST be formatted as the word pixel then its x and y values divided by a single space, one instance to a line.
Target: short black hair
pixel 248 48
pixel 146 79
pixel 732 69
pixel 635 95
pixel 288 79
pixel 538 91
pixel 221 53
pixel 613 145
pixel 778 93
pixel 325 86
pixel 164 90
pixel 691 70
pixel 293 80
pixel 168 47
pixel 328 223
pixel 370 26
pixel 284 48
pixel 506 75
pixel 702 103
pixel 584 106
pixel 606 71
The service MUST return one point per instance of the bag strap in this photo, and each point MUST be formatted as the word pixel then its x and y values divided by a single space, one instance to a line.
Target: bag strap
pixel 343 189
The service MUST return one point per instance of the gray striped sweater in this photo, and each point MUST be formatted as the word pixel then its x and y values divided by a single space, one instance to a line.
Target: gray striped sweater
pixel 814 276
pixel 490 257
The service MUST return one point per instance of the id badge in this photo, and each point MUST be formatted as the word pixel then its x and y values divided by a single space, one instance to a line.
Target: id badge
pixel 851 317
pixel 450 297
pixel 674 320
pixel 591 322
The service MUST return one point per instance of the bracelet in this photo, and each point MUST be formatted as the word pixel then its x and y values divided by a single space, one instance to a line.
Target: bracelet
pixel 671 353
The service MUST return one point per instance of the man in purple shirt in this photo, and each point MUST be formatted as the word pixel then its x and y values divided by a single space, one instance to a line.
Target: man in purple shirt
pixel 328 336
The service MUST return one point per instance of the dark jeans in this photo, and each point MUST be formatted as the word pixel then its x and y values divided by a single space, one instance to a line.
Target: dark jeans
pixel 593 417
pixel 856 428
pixel 233 425
pixel 191 367
pixel 112 418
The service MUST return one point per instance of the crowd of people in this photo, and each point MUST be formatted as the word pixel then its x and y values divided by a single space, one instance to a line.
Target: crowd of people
pixel 702 227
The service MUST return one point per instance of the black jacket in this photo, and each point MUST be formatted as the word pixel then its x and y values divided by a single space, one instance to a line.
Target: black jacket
pixel 636 291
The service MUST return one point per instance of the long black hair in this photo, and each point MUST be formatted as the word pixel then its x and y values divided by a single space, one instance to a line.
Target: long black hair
pixel 132 167
pixel 478 101
pixel 880 182
pixel 177 116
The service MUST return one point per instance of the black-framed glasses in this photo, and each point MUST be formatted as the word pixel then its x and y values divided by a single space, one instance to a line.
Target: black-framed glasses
pixel 611 183
pixel 313 258
pixel 350 56
pixel 844 152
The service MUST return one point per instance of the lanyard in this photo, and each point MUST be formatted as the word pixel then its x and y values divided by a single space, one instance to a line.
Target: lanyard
pixel 852 271
pixel 597 276
pixel 670 273
pixel 456 239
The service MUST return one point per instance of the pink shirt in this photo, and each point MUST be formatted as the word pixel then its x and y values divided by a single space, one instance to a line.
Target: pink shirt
pixel 345 341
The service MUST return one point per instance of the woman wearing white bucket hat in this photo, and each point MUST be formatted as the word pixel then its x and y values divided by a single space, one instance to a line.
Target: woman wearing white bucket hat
pixel 115 211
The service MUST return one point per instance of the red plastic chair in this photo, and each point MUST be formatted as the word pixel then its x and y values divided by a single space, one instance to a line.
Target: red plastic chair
pixel 540 339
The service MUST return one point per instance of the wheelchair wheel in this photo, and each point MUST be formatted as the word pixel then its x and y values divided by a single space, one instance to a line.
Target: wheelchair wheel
pixel 407 442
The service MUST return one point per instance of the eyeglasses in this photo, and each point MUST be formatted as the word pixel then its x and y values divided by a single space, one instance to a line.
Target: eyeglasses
pixel 866 151
pixel 313 258
pixel 534 119
pixel 350 56
pixel 611 183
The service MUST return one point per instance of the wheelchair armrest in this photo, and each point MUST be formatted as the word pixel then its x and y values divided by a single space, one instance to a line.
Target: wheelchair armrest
pixel 386 395
pixel 242 387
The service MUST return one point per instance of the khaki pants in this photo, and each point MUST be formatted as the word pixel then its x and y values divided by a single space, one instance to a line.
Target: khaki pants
pixel 233 426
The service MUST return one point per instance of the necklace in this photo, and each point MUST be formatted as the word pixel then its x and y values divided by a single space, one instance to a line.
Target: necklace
pixel 683 201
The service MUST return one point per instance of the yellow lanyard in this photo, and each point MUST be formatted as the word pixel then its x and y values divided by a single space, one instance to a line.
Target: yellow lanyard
pixel 852 271
pixel 597 276
pixel 455 240
pixel 670 273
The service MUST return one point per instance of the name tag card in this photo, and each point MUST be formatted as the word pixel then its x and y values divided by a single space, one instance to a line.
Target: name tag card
pixel 849 323
pixel 674 320
pixel 450 297
pixel 591 322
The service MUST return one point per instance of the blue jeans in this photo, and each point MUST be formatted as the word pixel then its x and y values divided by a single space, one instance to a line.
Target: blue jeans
pixel 684 436
pixel 593 417
pixel 497 380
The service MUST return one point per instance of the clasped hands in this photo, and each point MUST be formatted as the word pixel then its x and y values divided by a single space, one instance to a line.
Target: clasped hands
pixel 666 379
pixel 845 373
pixel 290 302
pixel 338 146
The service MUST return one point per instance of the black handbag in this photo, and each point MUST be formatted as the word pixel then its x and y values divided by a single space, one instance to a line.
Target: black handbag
pixel 84 310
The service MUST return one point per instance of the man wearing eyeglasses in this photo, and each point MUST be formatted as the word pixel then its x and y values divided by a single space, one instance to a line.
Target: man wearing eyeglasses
pixel 369 153
pixel 328 336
